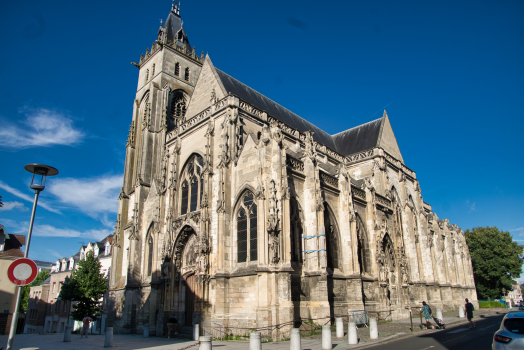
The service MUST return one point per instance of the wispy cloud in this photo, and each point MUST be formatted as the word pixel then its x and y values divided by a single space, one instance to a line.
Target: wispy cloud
pixel 471 206
pixel 41 127
pixel 518 231
pixel 54 253
pixel 12 226
pixel 26 197
pixel 12 205
pixel 95 197
pixel 21 227
pixel 50 231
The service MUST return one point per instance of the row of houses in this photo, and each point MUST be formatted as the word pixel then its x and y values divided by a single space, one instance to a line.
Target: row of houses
pixel 46 313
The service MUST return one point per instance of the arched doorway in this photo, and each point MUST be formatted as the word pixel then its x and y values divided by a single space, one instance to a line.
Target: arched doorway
pixel 187 259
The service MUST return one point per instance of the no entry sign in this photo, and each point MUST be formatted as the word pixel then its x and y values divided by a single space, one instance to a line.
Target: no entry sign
pixel 22 271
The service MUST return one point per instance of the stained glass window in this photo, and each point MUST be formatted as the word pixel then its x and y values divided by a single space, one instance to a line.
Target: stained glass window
pixel 247 229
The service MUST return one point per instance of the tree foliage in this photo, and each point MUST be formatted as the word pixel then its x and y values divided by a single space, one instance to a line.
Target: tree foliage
pixel 495 259
pixel 41 277
pixel 86 286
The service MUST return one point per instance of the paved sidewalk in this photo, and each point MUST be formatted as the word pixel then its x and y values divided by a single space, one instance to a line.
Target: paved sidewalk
pixel 387 331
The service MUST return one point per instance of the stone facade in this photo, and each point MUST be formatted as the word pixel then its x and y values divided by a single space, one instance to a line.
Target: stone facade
pixel 237 213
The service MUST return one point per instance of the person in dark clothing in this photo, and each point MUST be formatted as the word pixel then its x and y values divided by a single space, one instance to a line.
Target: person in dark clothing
pixel 469 313
pixel 172 325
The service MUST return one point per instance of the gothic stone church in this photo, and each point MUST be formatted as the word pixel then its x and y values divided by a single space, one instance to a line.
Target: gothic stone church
pixel 237 212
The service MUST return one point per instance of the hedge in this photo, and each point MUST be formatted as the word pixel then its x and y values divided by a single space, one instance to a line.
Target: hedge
pixel 486 304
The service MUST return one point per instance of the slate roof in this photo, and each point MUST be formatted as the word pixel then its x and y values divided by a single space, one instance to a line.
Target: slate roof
pixel 260 101
pixel 172 26
pixel 347 142
pixel 359 138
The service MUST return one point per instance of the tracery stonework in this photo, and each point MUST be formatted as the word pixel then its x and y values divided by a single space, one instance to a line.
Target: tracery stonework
pixel 255 215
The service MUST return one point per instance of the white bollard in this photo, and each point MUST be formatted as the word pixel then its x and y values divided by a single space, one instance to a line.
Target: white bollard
pixel 352 333
pixel 67 334
pixel 196 331
pixel 146 331
pixel 205 342
pixel 340 327
pixel 326 337
pixel 255 341
pixel 461 311
pixel 373 328
pixel 439 314
pixel 295 343
pixel 109 338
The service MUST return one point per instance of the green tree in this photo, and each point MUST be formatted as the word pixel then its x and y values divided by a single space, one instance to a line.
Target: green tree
pixel 495 259
pixel 41 277
pixel 86 286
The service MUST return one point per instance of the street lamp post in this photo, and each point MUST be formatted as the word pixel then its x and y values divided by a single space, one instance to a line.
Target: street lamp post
pixel 43 171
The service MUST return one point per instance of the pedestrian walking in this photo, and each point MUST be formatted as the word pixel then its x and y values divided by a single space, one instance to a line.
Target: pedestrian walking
pixel 469 313
pixel 172 325
pixel 85 327
pixel 427 314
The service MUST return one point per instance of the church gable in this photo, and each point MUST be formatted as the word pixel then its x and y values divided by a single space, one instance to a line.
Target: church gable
pixel 208 90
pixel 387 139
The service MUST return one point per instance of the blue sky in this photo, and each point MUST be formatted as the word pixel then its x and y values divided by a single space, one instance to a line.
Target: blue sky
pixel 449 74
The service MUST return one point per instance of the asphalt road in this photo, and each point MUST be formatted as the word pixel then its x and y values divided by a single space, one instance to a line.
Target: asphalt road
pixel 459 337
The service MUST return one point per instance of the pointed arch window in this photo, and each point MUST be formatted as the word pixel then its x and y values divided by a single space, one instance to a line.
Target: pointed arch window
pixel 247 234
pixel 362 247
pixel 331 238
pixel 177 69
pixel 150 254
pixel 296 231
pixel 192 185
pixel 186 75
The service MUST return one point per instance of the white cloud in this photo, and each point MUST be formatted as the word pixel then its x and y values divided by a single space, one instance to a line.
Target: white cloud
pixel 26 197
pixel 21 227
pixel 12 205
pixel 50 231
pixel 41 127
pixel 12 226
pixel 96 197
pixel 518 231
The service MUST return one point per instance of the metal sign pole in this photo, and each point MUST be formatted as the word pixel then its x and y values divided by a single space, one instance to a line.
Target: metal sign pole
pixel 14 320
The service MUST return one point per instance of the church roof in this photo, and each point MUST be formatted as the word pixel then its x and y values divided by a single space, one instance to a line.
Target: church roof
pixel 173 25
pixel 359 138
pixel 260 101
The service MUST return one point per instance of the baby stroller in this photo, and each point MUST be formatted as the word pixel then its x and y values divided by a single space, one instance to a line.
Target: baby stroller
pixel 440 323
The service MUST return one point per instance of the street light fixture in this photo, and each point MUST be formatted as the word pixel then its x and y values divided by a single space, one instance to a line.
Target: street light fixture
pixel 43 171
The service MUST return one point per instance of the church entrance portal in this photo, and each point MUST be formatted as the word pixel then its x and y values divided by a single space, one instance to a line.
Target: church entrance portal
pixel 189 258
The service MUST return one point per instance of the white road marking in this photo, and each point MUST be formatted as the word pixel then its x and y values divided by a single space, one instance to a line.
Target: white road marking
pixel 428 347
pixel 458 330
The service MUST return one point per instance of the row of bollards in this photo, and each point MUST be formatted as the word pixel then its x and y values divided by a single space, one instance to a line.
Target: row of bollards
pixel 255 338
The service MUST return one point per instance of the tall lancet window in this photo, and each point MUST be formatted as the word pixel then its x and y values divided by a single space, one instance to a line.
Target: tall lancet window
pixel 247 234
pixel 150 254
pixel 192 185
pixel 186 75
pixel 177 69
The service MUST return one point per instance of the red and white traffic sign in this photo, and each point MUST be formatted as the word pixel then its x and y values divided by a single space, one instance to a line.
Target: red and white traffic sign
pixel 22 271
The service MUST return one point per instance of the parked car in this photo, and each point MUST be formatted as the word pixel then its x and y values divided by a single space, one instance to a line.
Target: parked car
pixel 510 335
